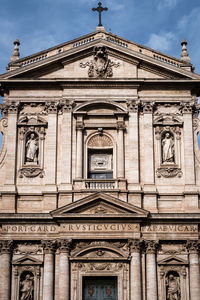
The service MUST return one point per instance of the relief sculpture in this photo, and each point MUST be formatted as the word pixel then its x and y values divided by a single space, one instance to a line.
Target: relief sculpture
pixel 173 287
pixel 101 65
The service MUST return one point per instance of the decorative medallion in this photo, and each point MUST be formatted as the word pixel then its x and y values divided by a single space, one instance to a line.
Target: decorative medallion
pixel 101 65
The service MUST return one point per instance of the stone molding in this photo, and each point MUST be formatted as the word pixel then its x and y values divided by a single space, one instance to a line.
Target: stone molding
pixel 49 246
pixel 193 247
pixel 64 246
pixel 151 247
pixel 6 246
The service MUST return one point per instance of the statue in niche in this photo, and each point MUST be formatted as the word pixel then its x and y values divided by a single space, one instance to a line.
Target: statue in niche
pixel 168 148
pixel 26 288
pixel 32 148
pixel 173 288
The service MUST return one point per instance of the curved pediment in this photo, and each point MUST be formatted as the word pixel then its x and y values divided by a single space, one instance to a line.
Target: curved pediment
pixel 100 107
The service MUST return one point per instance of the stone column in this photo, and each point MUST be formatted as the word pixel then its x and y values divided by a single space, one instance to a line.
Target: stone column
pixel 48 278
pixel 11 145
pixel 135 271
pixel 151 248
pixel 64 246
pixel 66 144
pixel 133 149
pixel 79 151
pixel 5 267
pixel 50 176
pixel 193 248
pixel 148 143
pixel 120 148
pixel 188 144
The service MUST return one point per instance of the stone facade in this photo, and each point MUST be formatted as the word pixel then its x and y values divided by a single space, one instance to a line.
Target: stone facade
pixel 99 173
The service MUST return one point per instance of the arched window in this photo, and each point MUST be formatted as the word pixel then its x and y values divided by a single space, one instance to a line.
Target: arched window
pixel 100 157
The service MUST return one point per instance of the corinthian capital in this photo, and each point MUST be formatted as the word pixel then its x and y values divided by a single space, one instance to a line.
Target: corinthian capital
pixel 148 107
pixel 66 105
pixel 49 246
pixel 135 245
pixel 12 107
pixel 151 247
pixel 64 245
pixel 193 246
pixel 133 105
pixel 51 107
pixel 6 246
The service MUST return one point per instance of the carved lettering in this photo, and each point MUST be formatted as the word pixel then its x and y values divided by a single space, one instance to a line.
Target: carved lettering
pixel 171 228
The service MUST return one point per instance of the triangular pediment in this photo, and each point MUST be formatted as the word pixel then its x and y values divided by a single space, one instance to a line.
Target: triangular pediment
pixel 98 205
pixel 72 59
pixel 27 260
pixel 173 260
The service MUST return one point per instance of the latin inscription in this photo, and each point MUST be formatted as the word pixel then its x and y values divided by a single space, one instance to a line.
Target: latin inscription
pixel 29 229
pixel 171 228
pixel 100 228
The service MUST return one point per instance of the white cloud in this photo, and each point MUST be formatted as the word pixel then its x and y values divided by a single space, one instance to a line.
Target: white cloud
pixel 161 42
pixel 162 4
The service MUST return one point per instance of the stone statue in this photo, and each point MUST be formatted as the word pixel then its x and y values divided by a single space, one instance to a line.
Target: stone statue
pixel 167 148
pixel 173 288
pixel 27 288
pixel 32 149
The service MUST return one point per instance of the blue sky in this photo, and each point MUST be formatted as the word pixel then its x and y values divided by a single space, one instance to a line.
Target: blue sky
pixel 40 24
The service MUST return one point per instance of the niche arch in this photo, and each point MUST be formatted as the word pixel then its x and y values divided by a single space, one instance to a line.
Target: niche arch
pixel 100 156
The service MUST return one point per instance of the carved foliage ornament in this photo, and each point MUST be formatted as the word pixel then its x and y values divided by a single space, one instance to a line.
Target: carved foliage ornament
pixel 101 65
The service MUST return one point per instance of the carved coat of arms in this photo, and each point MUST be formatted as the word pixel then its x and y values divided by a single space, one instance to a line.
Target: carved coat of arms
pixel 101 65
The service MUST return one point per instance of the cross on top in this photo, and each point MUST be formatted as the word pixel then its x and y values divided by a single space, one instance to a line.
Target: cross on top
pixel 100 9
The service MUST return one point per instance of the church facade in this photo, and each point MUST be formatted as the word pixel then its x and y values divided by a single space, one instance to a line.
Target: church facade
pixel 99 173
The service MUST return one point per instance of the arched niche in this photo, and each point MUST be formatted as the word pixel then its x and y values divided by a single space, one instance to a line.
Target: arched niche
pixel 100 156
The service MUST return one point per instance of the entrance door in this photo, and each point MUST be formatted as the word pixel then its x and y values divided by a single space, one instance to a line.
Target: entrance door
pixel 100 288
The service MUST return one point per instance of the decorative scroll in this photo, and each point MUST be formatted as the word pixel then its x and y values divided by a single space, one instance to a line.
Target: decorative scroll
pixel 169 172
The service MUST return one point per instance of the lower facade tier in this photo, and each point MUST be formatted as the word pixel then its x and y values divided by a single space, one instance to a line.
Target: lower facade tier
pixel 66 268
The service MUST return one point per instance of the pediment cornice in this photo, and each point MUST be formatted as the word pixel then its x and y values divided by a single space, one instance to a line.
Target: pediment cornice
pixel 98 206
pixel 86 50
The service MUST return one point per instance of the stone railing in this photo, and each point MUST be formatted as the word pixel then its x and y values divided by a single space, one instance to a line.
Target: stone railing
pixel 83 42
pixel 34 60
pixel 108 37
pixel 98 184
pixel 166 60
pixel 116 41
